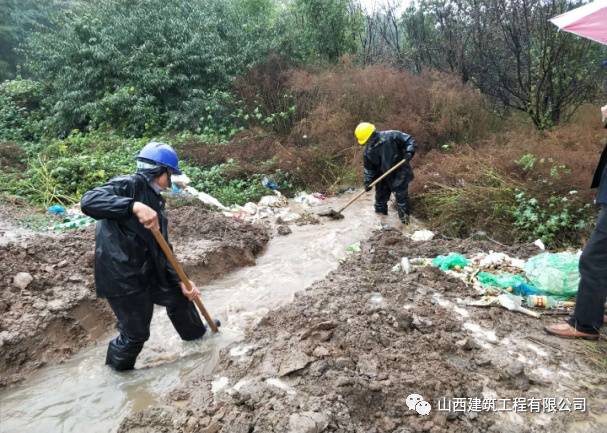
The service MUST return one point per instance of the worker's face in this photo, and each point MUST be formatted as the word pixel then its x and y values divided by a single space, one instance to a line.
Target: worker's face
pixel 163 181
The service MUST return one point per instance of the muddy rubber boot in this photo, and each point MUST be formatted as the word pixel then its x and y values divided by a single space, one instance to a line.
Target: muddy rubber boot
pixel 405 219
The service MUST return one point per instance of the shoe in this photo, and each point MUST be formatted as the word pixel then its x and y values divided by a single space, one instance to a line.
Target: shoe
pixel 381 212
pixel 406 220
pixel 565 330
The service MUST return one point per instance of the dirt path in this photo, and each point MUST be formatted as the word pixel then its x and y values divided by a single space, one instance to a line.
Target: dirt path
pixel 48 308
pixel 344 356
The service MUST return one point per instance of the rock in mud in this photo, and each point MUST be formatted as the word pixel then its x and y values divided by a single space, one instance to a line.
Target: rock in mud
pixel 284 230
pixel 294 362
pixel 514 375
pixel 308 422
pixel 22 280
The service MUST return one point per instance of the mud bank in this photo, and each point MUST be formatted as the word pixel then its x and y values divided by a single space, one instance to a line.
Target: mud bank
pixel 345 354
pixel 48 308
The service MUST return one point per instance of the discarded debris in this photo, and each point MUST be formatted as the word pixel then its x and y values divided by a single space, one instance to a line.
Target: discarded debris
pixel 451 261
pixel 354 248
pixel 422 236
pixel 313 199
pixel 56 210
pixel 554 273
pixel 546 281
pixel 403 266
pixel 506 300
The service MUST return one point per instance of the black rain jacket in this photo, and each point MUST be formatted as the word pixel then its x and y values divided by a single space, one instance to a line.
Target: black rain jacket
pixel 128 259
pixel 383 151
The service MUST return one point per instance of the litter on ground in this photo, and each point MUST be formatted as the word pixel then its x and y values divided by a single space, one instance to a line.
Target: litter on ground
pixel 544 281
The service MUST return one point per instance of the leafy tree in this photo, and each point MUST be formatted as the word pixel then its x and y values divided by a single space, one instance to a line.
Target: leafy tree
pixel 510 51
pixel 17 19
pixel 325 29
pixel 146 65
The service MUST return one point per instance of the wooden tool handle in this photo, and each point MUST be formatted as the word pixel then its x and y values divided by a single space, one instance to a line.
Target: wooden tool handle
pixel 375 182
pixel 182 276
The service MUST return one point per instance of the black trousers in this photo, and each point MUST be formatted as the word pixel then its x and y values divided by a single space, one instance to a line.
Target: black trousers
pixel 134 315
pixel 592 291
pixel 382 195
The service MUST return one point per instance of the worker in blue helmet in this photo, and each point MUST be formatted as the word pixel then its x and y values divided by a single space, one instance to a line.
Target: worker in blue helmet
pixel 131 271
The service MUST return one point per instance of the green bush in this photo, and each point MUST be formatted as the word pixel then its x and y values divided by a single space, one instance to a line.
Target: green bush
pixel 61 170
pixel 145 66
pixel 216 182
pixel 556 221
pixel 20 115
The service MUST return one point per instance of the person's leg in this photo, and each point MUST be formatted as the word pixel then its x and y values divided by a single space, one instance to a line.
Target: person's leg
pixel 592 290
pixel 134 314
pixel 182 313
pixel 382 195
pixel 590 301
pixel 402 203
pixel 186 320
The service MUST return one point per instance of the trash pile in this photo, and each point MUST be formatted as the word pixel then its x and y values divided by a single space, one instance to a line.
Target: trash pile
pixel 545 281
pixel 71 218
pixel 273 207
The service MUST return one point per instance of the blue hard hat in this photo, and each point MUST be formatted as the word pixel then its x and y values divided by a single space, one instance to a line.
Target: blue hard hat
pixel 161 154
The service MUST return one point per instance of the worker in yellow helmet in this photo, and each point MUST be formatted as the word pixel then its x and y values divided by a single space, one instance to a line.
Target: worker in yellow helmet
pixel 384 149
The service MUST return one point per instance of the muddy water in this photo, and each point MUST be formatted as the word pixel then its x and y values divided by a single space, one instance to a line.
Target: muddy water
pixel 84 395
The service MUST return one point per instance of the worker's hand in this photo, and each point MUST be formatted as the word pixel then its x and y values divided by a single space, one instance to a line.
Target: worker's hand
pixel 368 188
pixel 146 215
pixel 189 294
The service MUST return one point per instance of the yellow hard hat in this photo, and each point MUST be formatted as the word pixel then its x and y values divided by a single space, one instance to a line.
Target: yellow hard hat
pixel 363 131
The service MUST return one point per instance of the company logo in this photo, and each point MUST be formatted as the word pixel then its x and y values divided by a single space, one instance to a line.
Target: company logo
pixel 417 403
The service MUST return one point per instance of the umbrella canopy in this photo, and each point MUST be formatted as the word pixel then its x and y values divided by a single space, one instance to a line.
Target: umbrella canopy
pixel 589 21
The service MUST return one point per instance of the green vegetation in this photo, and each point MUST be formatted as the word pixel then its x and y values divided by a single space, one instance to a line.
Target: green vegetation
pixel 253 88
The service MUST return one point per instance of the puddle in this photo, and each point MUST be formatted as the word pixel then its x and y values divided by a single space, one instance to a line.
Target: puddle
pixel 84 395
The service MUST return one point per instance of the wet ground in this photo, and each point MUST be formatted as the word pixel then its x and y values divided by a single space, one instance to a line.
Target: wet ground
pixel 47 297
pixel 83 389
pixel 341 356
pixel 346 353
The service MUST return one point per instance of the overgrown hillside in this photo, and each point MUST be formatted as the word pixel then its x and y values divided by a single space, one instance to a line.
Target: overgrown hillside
pixel 252 88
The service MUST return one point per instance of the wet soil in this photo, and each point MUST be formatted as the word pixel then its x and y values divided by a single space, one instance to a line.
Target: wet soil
pixel 346 353
pixel 48 308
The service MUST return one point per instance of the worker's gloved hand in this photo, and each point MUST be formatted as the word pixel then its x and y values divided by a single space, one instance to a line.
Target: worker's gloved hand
pixel 368 187
pixel 408 156
pixel 189 294
pixel 146 215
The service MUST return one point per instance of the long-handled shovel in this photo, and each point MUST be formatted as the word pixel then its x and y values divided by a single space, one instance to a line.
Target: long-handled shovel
pixel 337 215
pixel 183 277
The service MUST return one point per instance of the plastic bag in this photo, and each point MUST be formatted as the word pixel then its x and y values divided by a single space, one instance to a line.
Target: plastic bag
pixel 555 274
pixel 444 263
pixel 502 281
pixel 354 248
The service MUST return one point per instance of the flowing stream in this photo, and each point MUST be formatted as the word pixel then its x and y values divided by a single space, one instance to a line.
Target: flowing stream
pixel 83 394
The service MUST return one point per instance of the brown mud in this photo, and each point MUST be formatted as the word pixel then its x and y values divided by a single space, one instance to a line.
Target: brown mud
pixel 48 308
pixel 345 354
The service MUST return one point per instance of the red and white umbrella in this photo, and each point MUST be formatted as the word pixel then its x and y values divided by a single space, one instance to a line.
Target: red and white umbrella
pixel 589 21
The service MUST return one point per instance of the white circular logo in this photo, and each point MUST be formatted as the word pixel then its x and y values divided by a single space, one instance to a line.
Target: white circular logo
pixel 417 403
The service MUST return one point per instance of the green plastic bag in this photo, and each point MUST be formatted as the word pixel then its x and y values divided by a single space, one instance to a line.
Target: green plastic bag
pixel 444 263
pixel 354 248
pixel 502 281
pixel 555 274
